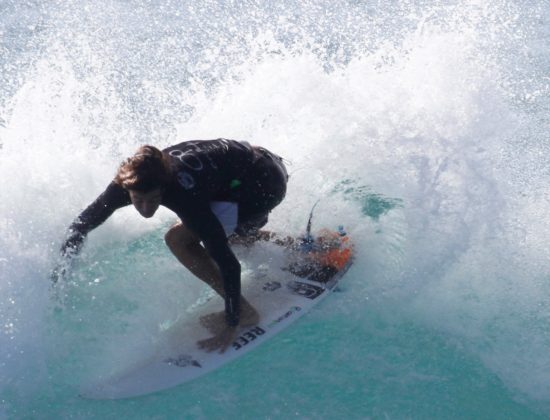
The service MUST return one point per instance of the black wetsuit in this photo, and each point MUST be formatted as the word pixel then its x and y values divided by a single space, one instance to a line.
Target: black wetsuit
pixel 205 171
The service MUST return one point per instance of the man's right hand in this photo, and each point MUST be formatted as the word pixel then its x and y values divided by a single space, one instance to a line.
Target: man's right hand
pixel 60 271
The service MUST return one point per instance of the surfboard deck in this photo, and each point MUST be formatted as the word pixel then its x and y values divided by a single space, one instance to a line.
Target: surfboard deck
pixel 281 284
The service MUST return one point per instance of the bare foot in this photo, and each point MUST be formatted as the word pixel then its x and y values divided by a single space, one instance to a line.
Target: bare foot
pixel 249 316
pixel 215 322
pixel 220 341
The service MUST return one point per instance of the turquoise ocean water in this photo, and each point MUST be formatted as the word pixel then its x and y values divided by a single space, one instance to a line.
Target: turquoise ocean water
pixel 422 126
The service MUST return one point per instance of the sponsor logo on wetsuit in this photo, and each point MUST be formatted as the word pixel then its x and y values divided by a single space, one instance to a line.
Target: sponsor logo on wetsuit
pixel 183 360
pixel 186 180
pixel 306 290
pixel 248 337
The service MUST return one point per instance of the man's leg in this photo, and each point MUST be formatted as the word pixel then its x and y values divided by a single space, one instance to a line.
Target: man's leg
pixel 185 245
pixel 263 188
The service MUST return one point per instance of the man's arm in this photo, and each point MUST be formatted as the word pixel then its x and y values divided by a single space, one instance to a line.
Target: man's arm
pixel 113 198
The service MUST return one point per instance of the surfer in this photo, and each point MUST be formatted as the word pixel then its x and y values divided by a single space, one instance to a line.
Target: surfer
pixel 218 189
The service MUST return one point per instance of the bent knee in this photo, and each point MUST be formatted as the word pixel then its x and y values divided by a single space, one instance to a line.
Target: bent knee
pixel 179 235
pixel 170 237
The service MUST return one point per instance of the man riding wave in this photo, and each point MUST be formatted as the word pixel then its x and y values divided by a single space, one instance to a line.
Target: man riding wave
pixel 217 188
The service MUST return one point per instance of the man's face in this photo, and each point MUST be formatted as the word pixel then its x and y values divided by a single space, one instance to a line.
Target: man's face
pixel 146 203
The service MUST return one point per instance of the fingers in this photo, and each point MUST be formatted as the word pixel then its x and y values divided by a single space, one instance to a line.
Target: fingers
pixel 58 273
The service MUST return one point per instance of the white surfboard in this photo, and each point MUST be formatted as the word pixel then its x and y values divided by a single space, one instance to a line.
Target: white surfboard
pixel 279 295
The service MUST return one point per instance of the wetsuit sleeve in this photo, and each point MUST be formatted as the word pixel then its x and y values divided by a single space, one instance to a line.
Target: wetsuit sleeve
pixel 113 198
pixel 207 226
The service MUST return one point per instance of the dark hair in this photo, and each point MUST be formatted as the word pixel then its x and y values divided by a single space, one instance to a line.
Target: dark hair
pixel 147 170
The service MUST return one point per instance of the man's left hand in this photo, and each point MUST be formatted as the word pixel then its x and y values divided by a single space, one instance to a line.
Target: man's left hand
pixel 220 341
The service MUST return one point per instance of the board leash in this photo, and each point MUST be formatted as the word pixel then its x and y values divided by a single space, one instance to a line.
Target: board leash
pixel 308 228
pixel 308 239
